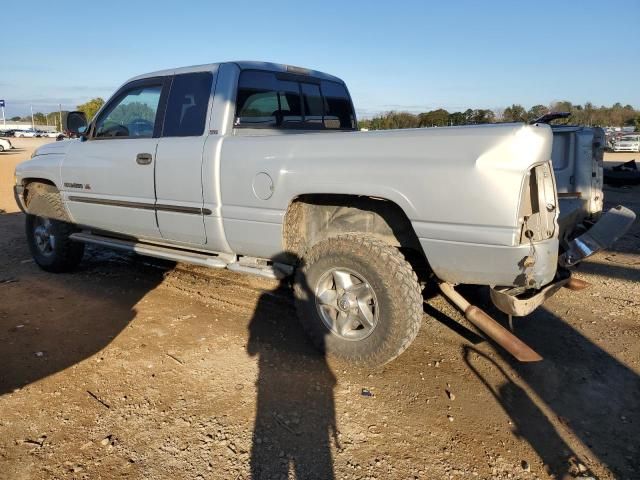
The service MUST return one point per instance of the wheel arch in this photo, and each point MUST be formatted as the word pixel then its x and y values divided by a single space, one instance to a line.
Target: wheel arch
pixel 41 197
pixel 311 218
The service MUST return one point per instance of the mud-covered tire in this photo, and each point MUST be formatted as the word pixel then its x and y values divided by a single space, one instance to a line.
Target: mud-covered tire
pixel 396 292
pixel 48 218
pixel 63 255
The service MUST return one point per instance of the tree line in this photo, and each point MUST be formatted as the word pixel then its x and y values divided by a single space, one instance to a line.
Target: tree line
pixel 587 114
pixel 616 115
pixel 53 118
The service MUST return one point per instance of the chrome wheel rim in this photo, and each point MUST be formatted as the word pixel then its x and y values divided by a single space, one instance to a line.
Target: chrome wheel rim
pixel 347 304
pixel 44 238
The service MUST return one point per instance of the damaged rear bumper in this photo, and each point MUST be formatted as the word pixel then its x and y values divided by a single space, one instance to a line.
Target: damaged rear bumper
pixel 524 304
pixel 611 226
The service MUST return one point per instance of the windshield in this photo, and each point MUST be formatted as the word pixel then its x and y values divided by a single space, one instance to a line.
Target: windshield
pixel 634 138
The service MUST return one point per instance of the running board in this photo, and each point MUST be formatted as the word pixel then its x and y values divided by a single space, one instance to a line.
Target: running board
pixel 151 250
pixel 242 265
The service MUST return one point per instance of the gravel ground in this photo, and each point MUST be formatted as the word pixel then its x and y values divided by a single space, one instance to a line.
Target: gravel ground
pixel 132 368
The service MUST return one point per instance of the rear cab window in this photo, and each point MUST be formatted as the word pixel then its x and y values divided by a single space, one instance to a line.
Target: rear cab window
pixel 284 101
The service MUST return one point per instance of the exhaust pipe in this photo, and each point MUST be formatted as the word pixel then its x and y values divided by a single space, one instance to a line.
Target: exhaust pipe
pixel 576 284
pixel 488 325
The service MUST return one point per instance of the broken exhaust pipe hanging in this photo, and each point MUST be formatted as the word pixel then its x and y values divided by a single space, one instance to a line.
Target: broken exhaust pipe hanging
pixel 488 325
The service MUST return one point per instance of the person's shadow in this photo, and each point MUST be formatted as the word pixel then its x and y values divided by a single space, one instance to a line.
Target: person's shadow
pixel 295 415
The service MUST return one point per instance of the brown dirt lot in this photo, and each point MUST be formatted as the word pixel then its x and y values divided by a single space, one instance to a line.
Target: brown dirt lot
pixel 132 368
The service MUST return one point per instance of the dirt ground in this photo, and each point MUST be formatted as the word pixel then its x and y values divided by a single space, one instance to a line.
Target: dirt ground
pixel 133 368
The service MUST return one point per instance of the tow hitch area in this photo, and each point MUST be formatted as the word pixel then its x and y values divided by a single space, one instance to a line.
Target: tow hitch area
pixel 488 325
pixel 520 305
pixel 611 226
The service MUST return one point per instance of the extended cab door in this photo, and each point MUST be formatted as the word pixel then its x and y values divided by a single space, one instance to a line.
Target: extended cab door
pixel 179 160
pixel 108 179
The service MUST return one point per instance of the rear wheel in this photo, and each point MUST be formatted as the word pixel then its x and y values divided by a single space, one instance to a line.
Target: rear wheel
pixel 50 245
pixel 358 299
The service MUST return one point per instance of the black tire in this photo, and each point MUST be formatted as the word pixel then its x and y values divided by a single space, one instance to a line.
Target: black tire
pixel 64 254
pixel 61 254
pixel 397 298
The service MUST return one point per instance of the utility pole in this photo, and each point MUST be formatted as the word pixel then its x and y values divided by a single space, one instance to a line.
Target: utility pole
pixel 60 107
pixel 33 125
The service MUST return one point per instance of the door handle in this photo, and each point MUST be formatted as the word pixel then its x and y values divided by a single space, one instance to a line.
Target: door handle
pixel 143 158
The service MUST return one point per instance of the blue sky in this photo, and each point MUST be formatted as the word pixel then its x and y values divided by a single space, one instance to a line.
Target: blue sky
pixel 400 55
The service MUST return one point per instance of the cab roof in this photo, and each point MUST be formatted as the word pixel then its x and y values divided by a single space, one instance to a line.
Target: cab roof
pixel 242 65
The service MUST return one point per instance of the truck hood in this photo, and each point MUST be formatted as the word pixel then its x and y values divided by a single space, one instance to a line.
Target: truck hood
pixel 54 148
pixel 45 163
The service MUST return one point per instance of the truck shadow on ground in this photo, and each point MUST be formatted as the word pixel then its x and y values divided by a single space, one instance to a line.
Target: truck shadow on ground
pixel 586 394
pixel 40 333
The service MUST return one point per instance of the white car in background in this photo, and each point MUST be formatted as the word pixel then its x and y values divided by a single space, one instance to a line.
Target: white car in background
pixel 5 145
pixel 627 143
pixel 25 133
pixel 50 134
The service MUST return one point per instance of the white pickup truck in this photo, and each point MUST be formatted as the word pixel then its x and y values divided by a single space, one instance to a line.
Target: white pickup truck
pixel 259 168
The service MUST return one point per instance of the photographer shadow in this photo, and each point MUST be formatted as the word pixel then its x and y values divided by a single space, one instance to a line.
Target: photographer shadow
pixel 295 419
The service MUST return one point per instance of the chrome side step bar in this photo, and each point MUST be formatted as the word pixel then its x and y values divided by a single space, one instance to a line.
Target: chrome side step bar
pixel 151 250
pixel 229 261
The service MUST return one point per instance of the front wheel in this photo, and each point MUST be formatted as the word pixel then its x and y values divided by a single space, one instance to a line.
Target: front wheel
pixel 358 299
pixel 50 245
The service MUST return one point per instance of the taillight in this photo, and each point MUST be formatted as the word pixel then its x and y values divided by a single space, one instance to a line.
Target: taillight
pixel 539 207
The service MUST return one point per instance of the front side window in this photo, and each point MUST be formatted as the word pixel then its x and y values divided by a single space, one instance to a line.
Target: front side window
pixel 132 115
pixel 187 107
pixel 268 99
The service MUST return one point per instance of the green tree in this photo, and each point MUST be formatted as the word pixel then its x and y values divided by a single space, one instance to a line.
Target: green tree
pixel 483 116
pixel 514 113
pixel 15 119
pixel 434 118
pixel 91 107
pixel 126 113
pixel 39 118
pixel 456 118
pixel 536 112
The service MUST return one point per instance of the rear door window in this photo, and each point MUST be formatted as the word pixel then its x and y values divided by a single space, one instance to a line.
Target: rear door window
pixel 188 104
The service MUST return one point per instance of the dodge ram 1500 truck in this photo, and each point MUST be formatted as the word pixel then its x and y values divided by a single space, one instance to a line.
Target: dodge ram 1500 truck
pixel 259 168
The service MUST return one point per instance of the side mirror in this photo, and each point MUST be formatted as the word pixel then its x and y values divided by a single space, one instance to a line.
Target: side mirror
pixel 76 123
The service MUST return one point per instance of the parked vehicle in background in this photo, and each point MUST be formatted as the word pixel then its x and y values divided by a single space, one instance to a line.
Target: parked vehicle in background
pixel 7 133
pixel 259 168
pixel 49 134
pixel 627 143
pixel 5 145
pixel 25 133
